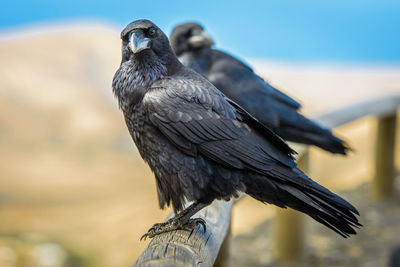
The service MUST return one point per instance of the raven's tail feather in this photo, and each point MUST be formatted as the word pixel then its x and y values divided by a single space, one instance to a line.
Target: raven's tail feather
pixel 300 129
pixel 324 139
pixel 304 195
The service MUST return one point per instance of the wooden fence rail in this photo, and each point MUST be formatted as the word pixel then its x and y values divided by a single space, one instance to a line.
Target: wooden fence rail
pixel 182 248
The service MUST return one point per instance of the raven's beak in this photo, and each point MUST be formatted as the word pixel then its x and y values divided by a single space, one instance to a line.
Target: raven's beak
pixel 200 39
pixel 138 42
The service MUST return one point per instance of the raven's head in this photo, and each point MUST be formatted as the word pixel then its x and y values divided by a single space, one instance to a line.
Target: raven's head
pixel 143 40
pixel 146 57
pixel 189 36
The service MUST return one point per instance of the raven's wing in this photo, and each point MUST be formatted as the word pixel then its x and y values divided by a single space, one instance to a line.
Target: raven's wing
pixel 270 106
pixel 280 96
pixel 198 118
pixel 237 71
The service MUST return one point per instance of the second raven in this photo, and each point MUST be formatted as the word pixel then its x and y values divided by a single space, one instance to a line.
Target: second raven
pixel 238 81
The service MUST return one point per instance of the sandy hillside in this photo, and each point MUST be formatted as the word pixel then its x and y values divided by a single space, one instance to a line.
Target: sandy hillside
pixel 70 174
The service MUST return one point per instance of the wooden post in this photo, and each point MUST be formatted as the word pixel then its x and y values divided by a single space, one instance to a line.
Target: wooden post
pixel 382 185
pixel 223 255
pixel 196 248
pixel 289 226
pixel 289 236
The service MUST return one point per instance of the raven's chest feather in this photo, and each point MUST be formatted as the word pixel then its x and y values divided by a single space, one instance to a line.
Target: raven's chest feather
pixel 140 128
pixel 152 145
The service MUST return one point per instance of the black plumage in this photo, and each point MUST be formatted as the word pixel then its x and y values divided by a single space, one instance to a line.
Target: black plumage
pixel 238 81
pixel 202 146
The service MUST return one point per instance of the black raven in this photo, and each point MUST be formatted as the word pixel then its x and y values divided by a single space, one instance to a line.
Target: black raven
pixel 237 80
pixel 202 146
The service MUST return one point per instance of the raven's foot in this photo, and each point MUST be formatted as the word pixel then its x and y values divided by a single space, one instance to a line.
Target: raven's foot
pixel 181 221
pixel 176 223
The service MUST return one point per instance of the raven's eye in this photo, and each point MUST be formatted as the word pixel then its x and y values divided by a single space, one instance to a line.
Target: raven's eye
pixel 152 31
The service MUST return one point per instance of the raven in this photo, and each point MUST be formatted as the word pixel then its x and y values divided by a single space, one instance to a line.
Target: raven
pixel 237 80
pixel 202 146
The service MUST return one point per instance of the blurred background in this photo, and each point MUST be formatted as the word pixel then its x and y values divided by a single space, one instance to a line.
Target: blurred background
pixel 73 188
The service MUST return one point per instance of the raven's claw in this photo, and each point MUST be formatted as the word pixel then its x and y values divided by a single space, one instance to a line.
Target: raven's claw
pixel 180 223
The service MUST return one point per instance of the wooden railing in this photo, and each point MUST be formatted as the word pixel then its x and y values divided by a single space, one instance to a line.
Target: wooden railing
pixel 182 248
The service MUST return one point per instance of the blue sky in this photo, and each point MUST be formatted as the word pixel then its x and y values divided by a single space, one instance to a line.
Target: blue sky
pixel 361 31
